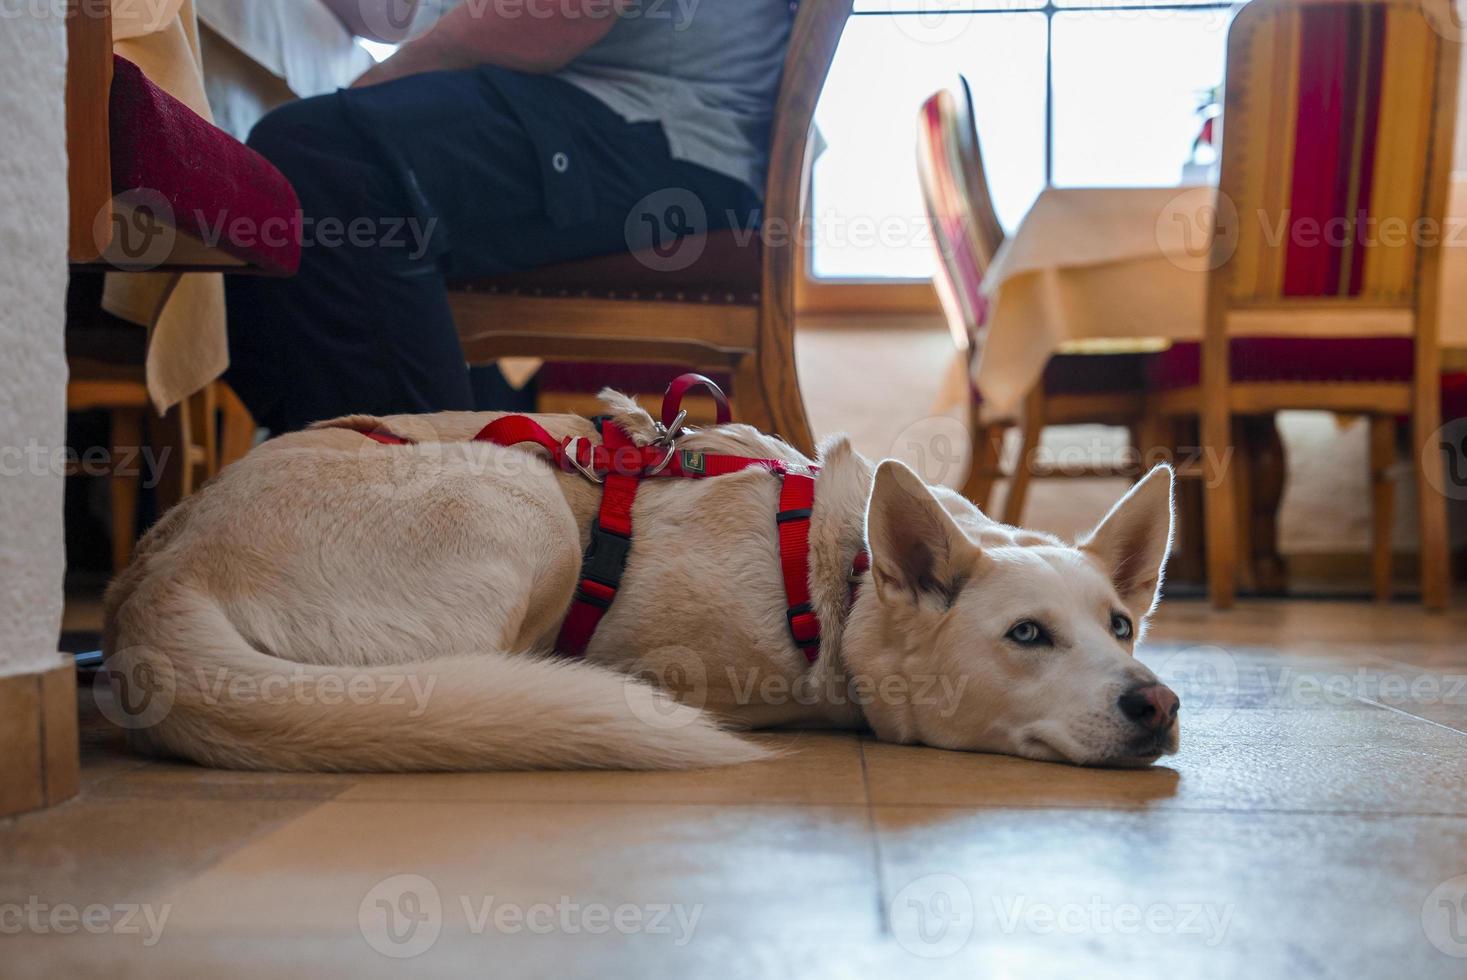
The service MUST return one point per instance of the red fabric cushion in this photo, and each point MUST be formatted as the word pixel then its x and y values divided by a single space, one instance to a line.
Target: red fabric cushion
pixel 1454 397
pixel 219 190
pixel 589 377
pixel 729 269
pixel 1290 359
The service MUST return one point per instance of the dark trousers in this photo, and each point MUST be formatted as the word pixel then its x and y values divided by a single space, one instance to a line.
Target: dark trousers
pixel 407 184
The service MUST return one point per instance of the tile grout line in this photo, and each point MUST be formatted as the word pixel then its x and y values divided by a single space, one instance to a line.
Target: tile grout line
pixel 1403 711
pixel 883 914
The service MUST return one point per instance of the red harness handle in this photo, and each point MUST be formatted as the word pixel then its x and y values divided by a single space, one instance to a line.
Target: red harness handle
pixel 672 402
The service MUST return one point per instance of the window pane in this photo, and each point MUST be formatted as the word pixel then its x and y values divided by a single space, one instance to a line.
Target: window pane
pixel 941 8
pixel 1127 85
pixel 1115 4
pixel 868 220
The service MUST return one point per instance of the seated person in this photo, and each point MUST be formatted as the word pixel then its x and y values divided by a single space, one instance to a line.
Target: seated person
pixel 506 137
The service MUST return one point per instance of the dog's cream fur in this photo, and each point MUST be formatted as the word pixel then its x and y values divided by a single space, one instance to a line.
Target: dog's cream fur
pixel 324 563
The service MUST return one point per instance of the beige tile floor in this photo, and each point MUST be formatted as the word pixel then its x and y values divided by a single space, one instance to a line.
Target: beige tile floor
pixel 1314 824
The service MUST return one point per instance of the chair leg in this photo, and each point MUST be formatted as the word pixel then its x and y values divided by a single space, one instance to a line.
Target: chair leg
pixel 1243 475
pixel 1267 472
pixel 1033 429
pixel 1431 506
pixel 236 426
pixel 203 407
pixel 173 447
pixel 127 439
pixel 987 462
pixel 1188 564
pixel 1220 506
pixel 1151 441
pixel 1382 503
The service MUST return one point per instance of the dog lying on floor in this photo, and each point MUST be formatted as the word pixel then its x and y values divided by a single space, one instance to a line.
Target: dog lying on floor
pixel 331 603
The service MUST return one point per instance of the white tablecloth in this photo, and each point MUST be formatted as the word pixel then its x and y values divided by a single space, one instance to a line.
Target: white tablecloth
pixel 1092 266
pixel 299 41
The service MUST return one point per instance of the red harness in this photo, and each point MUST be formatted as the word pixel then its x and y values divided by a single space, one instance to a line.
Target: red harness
pixel 620 465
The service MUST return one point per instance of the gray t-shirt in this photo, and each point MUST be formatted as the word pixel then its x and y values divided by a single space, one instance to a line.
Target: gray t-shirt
pixel 707 70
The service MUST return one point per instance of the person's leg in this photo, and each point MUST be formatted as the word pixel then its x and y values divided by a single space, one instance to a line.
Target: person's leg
pixel 467 173
pixel 361 328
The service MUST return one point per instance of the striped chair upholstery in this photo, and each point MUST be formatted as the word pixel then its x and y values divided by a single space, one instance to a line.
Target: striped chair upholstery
pixel 1076 388
pixel 1337 141
pixel 1335 112
pixel 967 235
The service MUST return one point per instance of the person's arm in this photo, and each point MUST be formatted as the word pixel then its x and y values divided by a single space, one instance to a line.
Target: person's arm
pixel 387 21
pixel 533 36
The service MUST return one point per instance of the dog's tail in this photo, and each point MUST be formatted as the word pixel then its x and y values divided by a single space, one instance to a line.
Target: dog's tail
pixel 217 700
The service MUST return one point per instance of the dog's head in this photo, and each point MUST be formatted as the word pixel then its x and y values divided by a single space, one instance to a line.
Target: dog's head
pixel 1023 644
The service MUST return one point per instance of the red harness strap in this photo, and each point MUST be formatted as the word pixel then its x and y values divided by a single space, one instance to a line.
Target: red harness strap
pixel 620 465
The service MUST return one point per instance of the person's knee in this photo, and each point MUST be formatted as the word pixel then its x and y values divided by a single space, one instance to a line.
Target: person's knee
pixel 298 128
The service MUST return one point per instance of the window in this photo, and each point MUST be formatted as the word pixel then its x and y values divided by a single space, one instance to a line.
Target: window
pixel 1068 92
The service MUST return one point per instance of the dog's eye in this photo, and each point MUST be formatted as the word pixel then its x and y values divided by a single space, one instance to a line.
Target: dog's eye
pixel 1029 634
pixel 1121 626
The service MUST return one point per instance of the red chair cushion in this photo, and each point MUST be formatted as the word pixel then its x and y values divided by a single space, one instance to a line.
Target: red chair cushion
pixel 1290 359
pixel 219 190
pixel 587 378
pixel 1454 397
pixel 728 270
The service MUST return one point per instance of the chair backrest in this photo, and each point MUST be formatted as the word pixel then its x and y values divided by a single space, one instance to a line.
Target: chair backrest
pixel 1337 141
pixel 88 82
pixel 814 37
pixel 964 225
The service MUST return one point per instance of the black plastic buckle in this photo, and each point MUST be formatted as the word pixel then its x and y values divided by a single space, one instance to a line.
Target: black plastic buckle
pixel 790 613
pixel 606 556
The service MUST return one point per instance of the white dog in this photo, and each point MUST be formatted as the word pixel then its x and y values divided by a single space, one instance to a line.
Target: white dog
pixel 330 603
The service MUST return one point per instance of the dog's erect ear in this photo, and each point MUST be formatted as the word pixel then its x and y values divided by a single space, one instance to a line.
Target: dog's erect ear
pixel 917 549
pixel 1132 541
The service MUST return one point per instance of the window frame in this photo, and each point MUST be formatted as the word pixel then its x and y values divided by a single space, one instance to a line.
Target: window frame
pixel 847 295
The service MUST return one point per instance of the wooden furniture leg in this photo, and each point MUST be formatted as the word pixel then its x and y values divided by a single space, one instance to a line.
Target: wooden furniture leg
pixel 1033 429
pixel 1243 485
pixel 1267 469
pixel 1382 503
pixel 127 442
pixel 236 426
pixel 172 441
pixel 1431 505
pixel 987 462
pixel 1189 564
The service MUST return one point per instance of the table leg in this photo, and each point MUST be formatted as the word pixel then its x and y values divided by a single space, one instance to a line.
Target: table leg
pixel 1267 470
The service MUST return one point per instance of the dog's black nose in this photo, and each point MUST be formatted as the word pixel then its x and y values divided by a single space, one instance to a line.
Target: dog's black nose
pixel 1153 707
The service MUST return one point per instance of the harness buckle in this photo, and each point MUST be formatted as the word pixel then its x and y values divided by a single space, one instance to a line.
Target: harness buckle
pixel 606 556
pixel 572 453
pixel 804 627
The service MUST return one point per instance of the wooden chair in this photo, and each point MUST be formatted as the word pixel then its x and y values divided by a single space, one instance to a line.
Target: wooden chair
pixel 1338 114
pixel 1076 388
pixel 130 144
pixel 733 309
